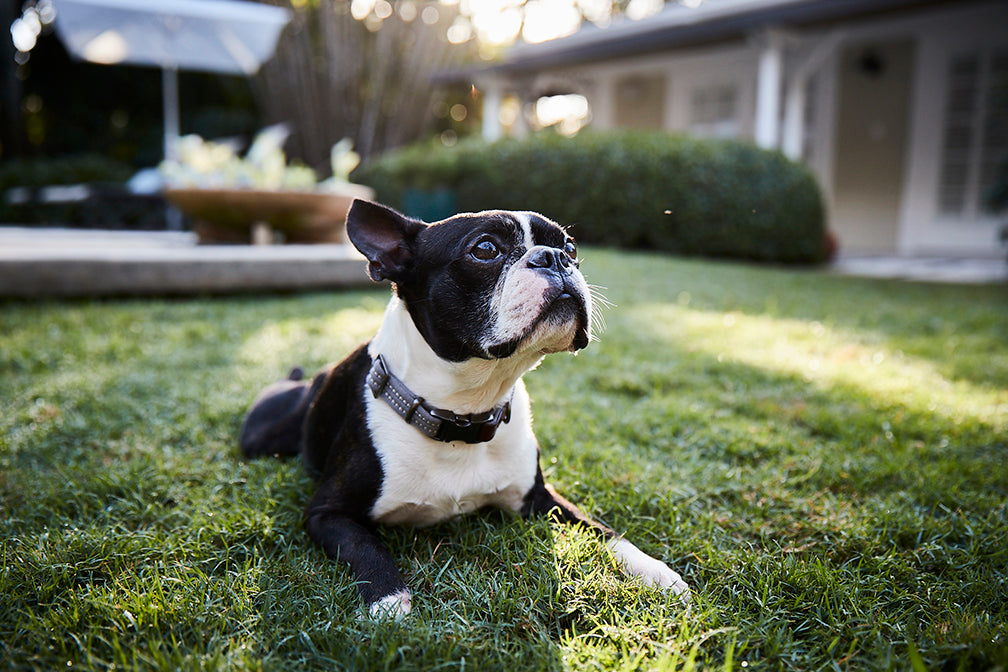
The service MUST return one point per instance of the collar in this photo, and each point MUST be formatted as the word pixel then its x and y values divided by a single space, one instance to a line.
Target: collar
pixel 436 423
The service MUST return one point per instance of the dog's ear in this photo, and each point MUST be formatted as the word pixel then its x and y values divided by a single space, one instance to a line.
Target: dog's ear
pixel 384 236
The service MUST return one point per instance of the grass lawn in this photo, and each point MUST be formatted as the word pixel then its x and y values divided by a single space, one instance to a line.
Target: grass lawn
pixel 824 459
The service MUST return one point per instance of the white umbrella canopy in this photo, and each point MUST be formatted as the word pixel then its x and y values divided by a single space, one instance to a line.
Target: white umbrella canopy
pixel 223 36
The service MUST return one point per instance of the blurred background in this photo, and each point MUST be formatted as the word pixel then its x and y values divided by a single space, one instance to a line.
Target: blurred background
pixel 897 108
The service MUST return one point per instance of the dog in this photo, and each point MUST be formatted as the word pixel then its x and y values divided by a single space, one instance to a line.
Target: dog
pixel 431 419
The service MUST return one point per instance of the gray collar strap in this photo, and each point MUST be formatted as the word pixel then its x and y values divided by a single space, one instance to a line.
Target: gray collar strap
pixel 437 423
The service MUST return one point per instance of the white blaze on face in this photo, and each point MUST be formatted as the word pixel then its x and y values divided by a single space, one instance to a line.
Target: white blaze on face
pixel 525 221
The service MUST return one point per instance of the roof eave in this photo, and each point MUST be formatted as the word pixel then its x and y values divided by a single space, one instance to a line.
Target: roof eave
pixel 650 36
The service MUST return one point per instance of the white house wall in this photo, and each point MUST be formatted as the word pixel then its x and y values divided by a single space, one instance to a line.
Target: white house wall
pixel 923 230
pixel 935 34
pixel 681 75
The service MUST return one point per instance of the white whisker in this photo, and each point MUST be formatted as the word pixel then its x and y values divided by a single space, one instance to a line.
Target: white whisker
pixel 599 303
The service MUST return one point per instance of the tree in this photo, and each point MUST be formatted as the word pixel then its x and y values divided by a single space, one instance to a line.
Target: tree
pixel 367 69
pixel 370 79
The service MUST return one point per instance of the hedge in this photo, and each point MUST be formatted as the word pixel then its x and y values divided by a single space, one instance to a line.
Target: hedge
pixel 634 189
pixel 110 205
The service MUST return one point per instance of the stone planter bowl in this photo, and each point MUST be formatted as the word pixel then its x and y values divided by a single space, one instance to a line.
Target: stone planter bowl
pixel 235 215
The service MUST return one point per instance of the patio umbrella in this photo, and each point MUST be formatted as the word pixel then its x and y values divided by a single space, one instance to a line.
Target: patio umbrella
pixel 223 36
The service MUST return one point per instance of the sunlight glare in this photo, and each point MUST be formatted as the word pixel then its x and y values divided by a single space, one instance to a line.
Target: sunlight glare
pixel 359 9
pixel 568 112
pixel 597 11
pixel 107 48
pixel 460 31
pixel 497 22
pixel 640 9
pixel 549 19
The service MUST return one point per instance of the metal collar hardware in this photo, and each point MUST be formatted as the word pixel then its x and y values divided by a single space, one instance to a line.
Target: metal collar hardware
pixel 436 423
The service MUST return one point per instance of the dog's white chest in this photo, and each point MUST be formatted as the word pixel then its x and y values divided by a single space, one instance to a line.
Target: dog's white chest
pixel 427 481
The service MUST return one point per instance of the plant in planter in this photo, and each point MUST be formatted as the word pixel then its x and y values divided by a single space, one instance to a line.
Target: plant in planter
pixel 238 199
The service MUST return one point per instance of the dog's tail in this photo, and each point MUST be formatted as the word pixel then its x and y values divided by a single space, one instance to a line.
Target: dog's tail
pixel 272 425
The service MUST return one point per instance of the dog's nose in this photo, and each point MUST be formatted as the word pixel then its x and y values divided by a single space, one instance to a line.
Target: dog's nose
pixel 549 257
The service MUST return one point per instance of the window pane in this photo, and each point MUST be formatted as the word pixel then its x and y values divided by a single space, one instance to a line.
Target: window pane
pixel 958 135
pixel 714 111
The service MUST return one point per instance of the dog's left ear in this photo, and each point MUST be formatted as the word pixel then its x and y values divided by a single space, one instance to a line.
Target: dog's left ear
pixel 384 236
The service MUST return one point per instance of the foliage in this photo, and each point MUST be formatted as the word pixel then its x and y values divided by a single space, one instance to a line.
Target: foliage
pixel 68 106
pixel 996 198
pixel 71 169
pixel 109 206
pixel 371 81
pixel 633 189
pixel 996 195
pixel 213 165
pixel 822 458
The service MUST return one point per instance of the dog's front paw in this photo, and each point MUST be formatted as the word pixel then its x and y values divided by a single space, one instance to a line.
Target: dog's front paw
pixel 650 571
pixel 395 606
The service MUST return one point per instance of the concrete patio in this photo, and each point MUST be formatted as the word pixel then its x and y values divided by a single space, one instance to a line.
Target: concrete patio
pixel 65 263
pixel 957 270
pixel 57 263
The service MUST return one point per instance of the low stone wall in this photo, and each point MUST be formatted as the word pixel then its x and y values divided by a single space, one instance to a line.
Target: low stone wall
pixel 57 263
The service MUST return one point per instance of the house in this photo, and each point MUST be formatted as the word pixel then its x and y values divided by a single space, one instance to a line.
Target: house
pixel 900 107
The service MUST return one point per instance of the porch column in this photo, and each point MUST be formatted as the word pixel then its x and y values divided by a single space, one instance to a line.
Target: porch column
pixel 492 97
pixel 795 95
pixel 794 118
pixel 170 107
pixel 601 103
pixel 767 131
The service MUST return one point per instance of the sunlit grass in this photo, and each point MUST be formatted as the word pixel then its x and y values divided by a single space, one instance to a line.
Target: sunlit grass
pixel 278 345
pixel 823 458
pixel 824 356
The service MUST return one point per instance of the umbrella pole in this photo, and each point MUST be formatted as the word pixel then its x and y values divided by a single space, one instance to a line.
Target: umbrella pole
pixel 170 102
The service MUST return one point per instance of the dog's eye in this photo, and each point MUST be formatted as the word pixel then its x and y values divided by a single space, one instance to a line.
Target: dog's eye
pixel 570 247
pixel 485 250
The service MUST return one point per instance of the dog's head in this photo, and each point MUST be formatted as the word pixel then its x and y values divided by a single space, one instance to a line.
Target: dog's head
pixel 489 284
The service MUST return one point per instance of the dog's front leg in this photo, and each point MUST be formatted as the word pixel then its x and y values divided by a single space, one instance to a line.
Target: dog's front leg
pixel 543 500
pixel 381 586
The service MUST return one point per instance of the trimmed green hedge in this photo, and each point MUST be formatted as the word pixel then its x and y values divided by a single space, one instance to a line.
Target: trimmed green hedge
pixel 110 206
pixel 635 189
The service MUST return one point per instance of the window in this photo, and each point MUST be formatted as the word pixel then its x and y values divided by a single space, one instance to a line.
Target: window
pixel 714 111
pixel 640 101
pixel 975 136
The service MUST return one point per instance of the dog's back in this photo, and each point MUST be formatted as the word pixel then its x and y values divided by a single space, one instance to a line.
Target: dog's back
pixel 273 424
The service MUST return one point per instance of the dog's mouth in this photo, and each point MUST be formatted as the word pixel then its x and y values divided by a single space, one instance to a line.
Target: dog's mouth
pixel 564 308
pixel 568 308
pixel 562 324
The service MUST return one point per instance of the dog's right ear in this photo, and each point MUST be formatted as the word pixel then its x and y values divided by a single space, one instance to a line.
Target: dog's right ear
pixel 384 236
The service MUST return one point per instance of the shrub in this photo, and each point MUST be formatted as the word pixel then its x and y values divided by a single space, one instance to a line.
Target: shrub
pixel 633 189
pixel 109 206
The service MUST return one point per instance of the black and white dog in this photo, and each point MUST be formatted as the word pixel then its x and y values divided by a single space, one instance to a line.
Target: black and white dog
pixel 430 419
